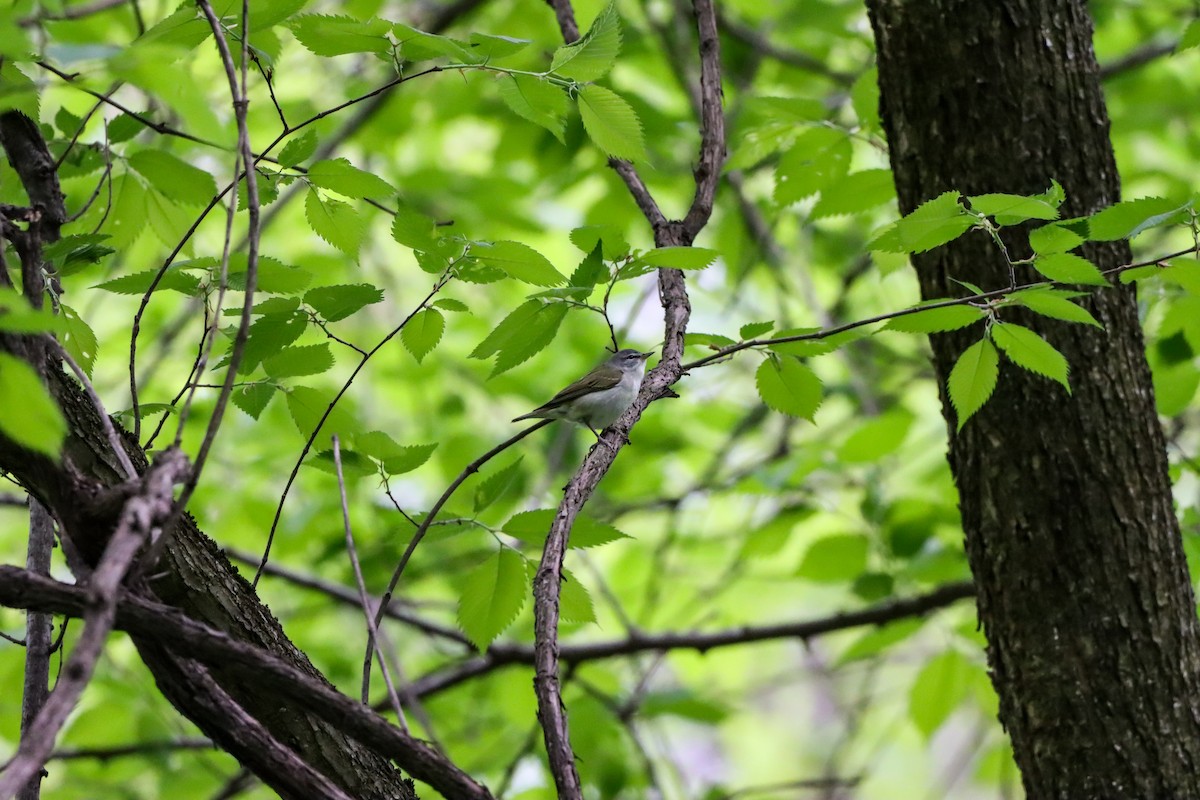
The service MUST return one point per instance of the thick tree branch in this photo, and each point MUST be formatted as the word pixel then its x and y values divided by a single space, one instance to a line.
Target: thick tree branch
pixel 169 628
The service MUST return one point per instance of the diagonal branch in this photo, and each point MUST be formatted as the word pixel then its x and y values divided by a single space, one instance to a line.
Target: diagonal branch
pixel 676 310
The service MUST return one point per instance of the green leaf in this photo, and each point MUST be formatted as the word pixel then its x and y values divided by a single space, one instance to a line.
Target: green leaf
pixel 31 418
pixel 593 55
pixel 1069 268
pixel 855 193
pixel 589 272
pixel 495 593
pixel 524 332
pixel 534 526
pixel 354 465
pixel 1055 239
pixel 879 639
pixel 679 257
pixel 788 386
pixel 174 178
pixel 834 559
pixel 174 279
pixel 574 601
pixel 519 261
pixel 538 101
pixel 937 320
pixel 938 690
pixel 395 458
pixel 253 398
pixel 79 339
pixel 307 406
pixel 682 703
pixel 325 35
pixel 754 329
pixel 611 123
pixel 335 222
pixel 423 332
pixel 876 438
pixel 1128 218
pixel 299 149
pixel 414 230
pixel 272 277
pixel 1190 38
pixel 1010 209
pixel 495 485
pixel 70 254
pixel 818 158
pixel 450 304
pixel 268 335
pixel 488 47
pixel 586 238
pixel 340 176
pixel 1057 305
pixel 714 341
pixel 1028 350
pixel 973 379
pixel 291 362
pixel 335 303
pixel 932 224
pixel 418 45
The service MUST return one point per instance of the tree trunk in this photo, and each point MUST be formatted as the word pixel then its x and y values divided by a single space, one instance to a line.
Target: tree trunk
pixel 1083 589
pixel 85 491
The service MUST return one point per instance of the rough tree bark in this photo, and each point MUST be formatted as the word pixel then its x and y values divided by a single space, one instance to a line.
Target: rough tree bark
pixel 1083 589
pixel 86 493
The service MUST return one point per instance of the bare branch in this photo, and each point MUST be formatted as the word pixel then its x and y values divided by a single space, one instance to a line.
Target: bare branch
pixel 38 628
pixel 142 513
pixel 364 599
pixel 171 628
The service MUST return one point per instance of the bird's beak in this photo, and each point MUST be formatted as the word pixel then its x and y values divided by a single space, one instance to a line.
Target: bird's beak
pixel 646 355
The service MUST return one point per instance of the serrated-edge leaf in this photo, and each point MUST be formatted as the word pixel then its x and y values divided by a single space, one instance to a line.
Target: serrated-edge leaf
pixel 1069 268
pixel 253 398
pixel 337 302
pixel 592 56
pixel 494 595
pixel 679 257
pixel 973 379
pixel 1029 350
pixel 574 600
pixel 611 123
pixel 294 362
pixel 534 526
pixel 423 332
pixel 1056 306
pixel 538 101
pixel 335 222
pixel 495 485
pixel 339 175
pixel 937 320
pixel 855 193
pixel 519 261
pixel 788 386
pixel 752 329
pixel 299 148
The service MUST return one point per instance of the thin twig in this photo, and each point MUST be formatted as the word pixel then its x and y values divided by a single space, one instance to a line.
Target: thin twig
pixel 825 333
pixel 312 437
pixel 38 627
pixel 140 516
pixel 419 534
pixel 364 598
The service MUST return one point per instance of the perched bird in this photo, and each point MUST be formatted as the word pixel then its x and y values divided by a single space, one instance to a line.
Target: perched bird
pixel 598 398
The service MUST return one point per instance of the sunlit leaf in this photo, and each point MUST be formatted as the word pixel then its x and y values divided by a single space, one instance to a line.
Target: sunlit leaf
pixel 31 418
pixel 973 379
pixel 611 123
pixel 423 332
pixel 494 593
pixel 788 386
pixel 1028 350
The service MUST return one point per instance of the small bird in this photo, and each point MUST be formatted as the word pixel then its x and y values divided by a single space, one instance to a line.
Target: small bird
pixel 598 398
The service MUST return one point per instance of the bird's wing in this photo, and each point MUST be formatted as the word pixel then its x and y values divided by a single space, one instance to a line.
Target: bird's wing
pixel 596 381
